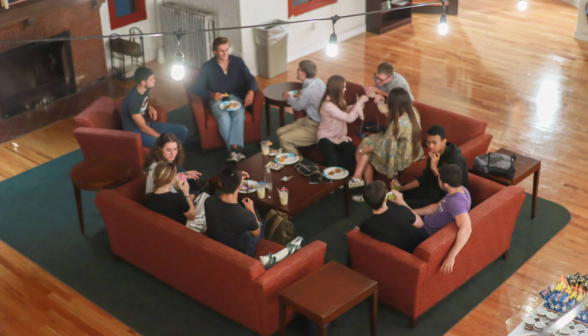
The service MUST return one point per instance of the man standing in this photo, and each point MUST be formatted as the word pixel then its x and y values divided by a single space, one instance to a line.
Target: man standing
pixel 425 190
pixel 454 206
pixel 385 80
pixel 227 77
pixel 134 109
pixel 303 131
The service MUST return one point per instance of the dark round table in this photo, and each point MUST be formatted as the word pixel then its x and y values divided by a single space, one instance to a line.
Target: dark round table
pixel 274 96
pixel 97 174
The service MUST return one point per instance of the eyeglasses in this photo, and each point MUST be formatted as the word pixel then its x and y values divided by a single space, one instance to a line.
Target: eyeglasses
pixel 380 79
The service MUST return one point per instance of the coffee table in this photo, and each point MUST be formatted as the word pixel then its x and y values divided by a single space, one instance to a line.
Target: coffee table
pixel 301 193
pixel 524 166
pixel 274 96
pixel 328 293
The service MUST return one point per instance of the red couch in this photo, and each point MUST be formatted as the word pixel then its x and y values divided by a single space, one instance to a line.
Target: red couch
pixel 220 277
pixel 99 133
pixel 412 283
pixel 207 126
pixel 466 132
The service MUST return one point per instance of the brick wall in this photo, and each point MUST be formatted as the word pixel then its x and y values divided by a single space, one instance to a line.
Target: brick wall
pixel 80 20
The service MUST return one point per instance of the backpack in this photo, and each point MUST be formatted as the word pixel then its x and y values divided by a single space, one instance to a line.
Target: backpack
pixel 278 228
pixel 495 163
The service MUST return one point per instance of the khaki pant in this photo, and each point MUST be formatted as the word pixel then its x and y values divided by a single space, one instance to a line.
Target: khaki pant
pixel 300 133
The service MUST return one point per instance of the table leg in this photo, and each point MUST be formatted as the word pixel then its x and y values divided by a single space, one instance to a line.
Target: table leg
pixel 78 194
pixel 267 117
pixel 374 314
pixel 282 115
pixel 324 330
pixel 283 312
pixel 535 187
pixel 346 198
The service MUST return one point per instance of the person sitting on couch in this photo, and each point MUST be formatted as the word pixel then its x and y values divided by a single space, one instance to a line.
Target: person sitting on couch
pixel 333 141
pixel 134 109
pixel 303 131
pixel 425 190
pixel 385 81
pixel 227 77
pixel 228 222
pixel 391 223
pixel 453 207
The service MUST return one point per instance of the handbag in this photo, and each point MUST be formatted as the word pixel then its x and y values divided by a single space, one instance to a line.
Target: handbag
pixel 307 168
pixel 495 163
pixel 278 228
pixel 370 127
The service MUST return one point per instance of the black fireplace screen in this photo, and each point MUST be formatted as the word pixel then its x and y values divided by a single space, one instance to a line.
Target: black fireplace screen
pixel 34 75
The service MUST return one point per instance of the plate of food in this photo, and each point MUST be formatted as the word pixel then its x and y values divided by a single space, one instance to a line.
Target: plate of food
pixel 230 105
pixel 248 186
pixel 294 93
pixel 335 173
pixel 287 158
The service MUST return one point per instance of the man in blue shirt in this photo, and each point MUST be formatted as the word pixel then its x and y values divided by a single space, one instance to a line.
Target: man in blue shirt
pixel 134 109
pixel 227 77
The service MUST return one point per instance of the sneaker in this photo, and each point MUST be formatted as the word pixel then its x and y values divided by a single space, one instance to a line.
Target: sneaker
pixel 233 157
pixel 241 157
pixel 356 183
pixel 358 198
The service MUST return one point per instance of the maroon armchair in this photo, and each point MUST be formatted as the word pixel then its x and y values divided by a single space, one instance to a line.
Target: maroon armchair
pixel 210 136
pixel 413 283
pixel 99 133
pixel 226 280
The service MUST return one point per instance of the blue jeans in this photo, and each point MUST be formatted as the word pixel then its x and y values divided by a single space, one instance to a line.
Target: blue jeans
pixel 180 131
pixel 253 241
pixel 230 124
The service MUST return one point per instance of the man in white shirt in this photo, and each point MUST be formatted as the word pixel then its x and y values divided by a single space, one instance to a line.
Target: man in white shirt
pixel 303 131
pixel 385 80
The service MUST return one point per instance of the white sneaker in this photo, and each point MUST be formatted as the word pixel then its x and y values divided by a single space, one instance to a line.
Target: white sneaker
pixel 241 157
pixel 233 157
pixel 356 183
pixel 358 198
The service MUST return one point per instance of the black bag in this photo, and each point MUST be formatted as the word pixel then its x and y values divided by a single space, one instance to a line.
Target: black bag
pixel 278 228
pixel 367 128
pixel 307 168
pixel 495 163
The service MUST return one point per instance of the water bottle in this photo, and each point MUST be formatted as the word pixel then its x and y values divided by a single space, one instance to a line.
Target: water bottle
pixel 267 179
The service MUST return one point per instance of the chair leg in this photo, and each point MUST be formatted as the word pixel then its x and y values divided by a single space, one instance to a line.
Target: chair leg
pixel 413 322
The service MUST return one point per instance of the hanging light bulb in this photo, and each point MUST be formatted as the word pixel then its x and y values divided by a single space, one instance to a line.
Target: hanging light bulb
pixel 443 27
pixel 522 5
pixel 178 71
pixel 332 48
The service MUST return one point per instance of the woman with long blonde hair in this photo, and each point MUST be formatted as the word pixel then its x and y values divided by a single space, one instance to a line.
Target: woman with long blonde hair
pixel 333 141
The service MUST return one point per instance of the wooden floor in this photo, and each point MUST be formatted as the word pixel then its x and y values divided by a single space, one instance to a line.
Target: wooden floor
pixel 521 72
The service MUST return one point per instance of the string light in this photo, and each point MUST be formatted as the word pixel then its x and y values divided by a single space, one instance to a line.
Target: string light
pixel 332 48
pixel 443 27
pixel 178 71
pixel 522 5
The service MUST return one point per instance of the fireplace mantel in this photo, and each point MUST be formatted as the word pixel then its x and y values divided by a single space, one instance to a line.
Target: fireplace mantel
pixel 31 9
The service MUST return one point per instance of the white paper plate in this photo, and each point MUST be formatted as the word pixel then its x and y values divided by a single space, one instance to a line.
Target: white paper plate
pixel 293 92
pixel 252 187
pixel 335 176
pixel 290 158
pixel 224 105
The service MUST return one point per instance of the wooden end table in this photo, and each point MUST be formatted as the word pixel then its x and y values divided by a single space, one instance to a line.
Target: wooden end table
pixel 301 194
pixel 328 293
pixel 274 96
pixel 97 174
pixel 524 166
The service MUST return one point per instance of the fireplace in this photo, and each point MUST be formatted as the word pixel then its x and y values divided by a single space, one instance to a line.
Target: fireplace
pixel 34 75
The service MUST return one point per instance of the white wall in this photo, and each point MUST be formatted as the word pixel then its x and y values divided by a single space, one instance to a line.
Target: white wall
pixel 304 38
pixel 582 27
pixel 574 3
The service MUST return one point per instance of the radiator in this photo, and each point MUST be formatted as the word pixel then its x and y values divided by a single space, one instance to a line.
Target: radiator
pixel 197 47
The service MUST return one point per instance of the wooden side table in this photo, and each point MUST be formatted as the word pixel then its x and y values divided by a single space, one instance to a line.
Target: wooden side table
pixel 97 174
pixel 524 166
pixel 328 293
pixel 274 96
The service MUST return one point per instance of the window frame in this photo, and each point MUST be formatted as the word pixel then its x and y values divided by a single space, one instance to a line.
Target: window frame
pixel 117 22
pixel 307 7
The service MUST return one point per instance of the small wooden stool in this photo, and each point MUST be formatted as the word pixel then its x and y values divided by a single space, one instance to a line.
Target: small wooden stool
pixel 524 166
pixel 97 174
pixel 328 293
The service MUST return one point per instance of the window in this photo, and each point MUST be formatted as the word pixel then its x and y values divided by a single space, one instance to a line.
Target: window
pixel 125 12
pixel 297 7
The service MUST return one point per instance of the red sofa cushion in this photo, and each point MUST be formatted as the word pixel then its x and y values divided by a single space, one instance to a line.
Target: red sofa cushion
pixel 100 114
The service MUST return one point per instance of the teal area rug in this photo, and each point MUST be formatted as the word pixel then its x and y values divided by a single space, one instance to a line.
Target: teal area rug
pixel 39 220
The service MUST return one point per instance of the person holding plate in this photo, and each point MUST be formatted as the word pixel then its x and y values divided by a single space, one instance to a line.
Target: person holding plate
pixel 332 137
pixel 303 131
pixel 226 78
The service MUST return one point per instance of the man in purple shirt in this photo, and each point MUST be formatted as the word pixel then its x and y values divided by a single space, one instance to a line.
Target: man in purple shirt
pixel 454 206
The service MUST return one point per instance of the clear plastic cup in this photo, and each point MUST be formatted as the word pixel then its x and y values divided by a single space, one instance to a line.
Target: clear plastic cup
pixel 265 148
pixel 284 196
pixel 260 190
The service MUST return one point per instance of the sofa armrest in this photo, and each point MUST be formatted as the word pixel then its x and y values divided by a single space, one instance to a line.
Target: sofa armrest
pixel 476 146
pixel 400 275
pixel 257 107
